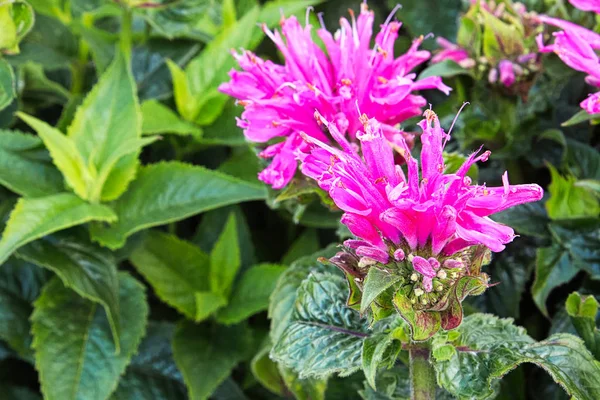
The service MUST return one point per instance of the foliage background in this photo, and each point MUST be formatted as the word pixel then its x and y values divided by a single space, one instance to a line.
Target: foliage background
pixel 182 280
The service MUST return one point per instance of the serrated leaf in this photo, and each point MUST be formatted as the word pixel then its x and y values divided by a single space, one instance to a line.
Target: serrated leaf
pixel 423 324
pixel 374 351
pixel 206 356
pixel 160 119
pixel 568 201
pixel 283 298
pixel 7 84
pixel 552 268
pixel 225 259
pixel 25 167
pixel 168 192
pixel 583 160
pixel 251 294
pixel 392 384
pixel 583 312
pixel 152 373
pixel 33 218
pixel 324 336
pixel 495 347
pixel 109 117
pixel 266 371
pixel 75 354
pixel 303 389
pixel 179 272
pixel 376 282
pixel 88 269
pixel 20 285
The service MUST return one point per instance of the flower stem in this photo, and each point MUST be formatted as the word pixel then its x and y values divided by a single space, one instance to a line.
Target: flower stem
pixel 126 33
pixel 422 376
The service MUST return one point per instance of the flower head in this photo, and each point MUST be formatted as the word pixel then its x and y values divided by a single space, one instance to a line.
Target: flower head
pixel 280 100
pixel 587 5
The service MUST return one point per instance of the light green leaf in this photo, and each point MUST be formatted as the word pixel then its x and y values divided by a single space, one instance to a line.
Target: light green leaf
pixel 376 282
pixel 32 219
pixel 225 259
pixel 160 119
pixel 171 191
pixel 179 273
pixel 109 116
pixel 75 355
pixel 266 371
pixel 65 155
pixel 303 389
pixel 583 311
pixel 7 84
pixel 324 336
pixel 423 324
pixel 491 347
pixel 251 294
pixel 16 19
pixel 184 98
pixel 581 116
pixel 307 243
pixel 20 285
pixel 568 201
pixel 444 69
pixel 206 356
pixel 283 298
pixel 25 167
pixel 152 373
pixel 88 269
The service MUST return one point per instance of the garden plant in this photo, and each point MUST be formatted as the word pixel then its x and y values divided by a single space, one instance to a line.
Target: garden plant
pixel 302 199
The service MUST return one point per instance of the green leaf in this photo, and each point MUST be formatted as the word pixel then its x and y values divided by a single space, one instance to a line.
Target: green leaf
pixel 108 118
pixel 25 166
pixel 583 311
pixel 500 39
pixel 283 298
pixel 491 347
pixel 225 259
pixel 16 18
pixel 444 69
pixel 324 336
pixel 168 192
pixel 306 243
pixel 65 155
pixel 75 355
pixel 194 19
pixel 592 185
pixel 423 324
pixel 266 371
pixel 152 373
pixel 32 219
pixel 529 219
pixel 43 90
pixel 196 94
pixel 392 384
pixel 568 201
pixel 160 119
pixel 376 352
pixel 20 285
pixel 583 160
pixel 243 164
pixel 303 389
pixel 251 294
pixel 453 161
pixel 376 282
pixel 88 269
pixel 7 84
pixel 552 268
pixel 580 117
pixel 206 356
pixel 179 273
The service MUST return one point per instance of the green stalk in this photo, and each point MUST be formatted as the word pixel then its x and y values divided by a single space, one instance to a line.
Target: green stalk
pixel 126 35
pixel 422 376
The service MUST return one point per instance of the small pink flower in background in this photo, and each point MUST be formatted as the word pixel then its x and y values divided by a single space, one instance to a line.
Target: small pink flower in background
pixel 592 104
pixel 507 73
pixel 451 51
pixel 587 5
pixel 279 100
pixel 436 213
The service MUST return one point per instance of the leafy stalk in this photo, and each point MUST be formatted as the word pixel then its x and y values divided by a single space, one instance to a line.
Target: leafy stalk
pixel 422 374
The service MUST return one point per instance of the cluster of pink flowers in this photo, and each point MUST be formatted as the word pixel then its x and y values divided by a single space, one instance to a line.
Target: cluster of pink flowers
pixel 280 100
pixel 397 215
pixel 576 46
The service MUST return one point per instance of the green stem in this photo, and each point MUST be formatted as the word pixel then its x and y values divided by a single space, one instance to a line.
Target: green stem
pixel 422 375
pixel 79 67
pixel 126 36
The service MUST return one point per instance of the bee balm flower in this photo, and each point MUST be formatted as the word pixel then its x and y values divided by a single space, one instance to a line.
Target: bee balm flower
pixel 280 100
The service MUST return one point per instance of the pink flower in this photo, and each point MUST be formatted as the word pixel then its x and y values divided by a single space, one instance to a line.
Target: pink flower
pixel 280 100
pixel 507 73
pixel 592 103
pixel 452 52
pixel 587 5
pixel 592 38
pixel 437 212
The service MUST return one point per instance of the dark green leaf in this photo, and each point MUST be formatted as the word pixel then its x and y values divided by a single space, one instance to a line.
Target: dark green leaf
pixel 168 192
pixel 75 354
pixel 307 243
pixel 492 347
pixel 374 353
pixel 266 371
pixel 225 259
pixel 324 336
pixel 7 84
pixel 206 355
